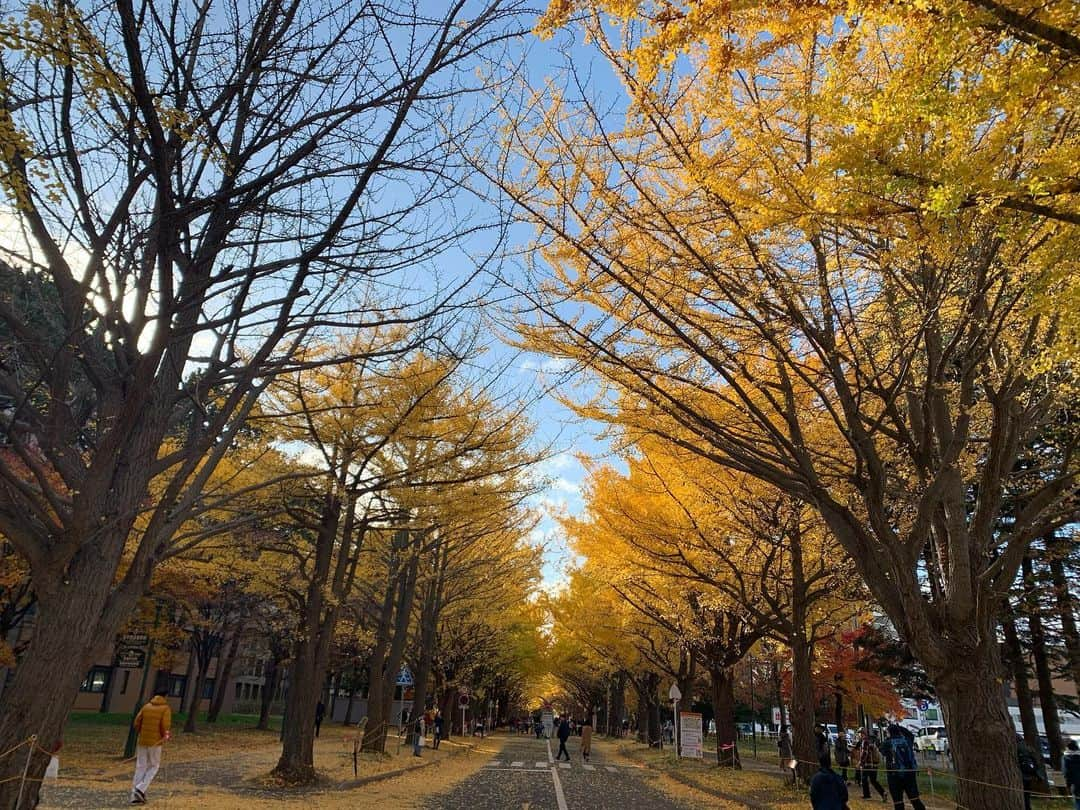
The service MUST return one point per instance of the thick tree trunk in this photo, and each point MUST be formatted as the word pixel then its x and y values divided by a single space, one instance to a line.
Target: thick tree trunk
pixel 802 708
pixel 1014 656
pixel 1059 548
pixel 270 682
pixel 44 685
pixel 976 714
pixel 223 675
pixel 297 762
pixel 723 696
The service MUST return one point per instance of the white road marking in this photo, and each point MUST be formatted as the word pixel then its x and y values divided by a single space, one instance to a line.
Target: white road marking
pixel 560 799
pixel 564 764
pixel 541 764
pixel 611 768
pixel 551 759
pixel 516 764
pixel 495 763
pixel 588 767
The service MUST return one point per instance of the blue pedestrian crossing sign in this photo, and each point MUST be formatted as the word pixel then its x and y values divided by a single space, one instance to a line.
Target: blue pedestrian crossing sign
pixel 404 677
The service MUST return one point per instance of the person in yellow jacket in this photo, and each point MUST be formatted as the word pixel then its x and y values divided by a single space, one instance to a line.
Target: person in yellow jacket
pixel 153 724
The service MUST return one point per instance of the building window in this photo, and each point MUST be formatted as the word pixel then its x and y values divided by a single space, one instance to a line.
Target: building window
pixel 239 690
pixel 97 680
pixel 172 685
pixel 124 683
pixel 208 689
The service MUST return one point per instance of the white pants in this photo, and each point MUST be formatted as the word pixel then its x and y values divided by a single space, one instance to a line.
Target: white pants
pixel 147 762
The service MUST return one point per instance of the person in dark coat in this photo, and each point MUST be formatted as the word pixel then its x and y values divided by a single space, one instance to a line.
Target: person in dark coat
pixel 867 758
pixel 901 768
pixel 827 790
pixel 1070 767
pixel 564 735
pixel 320 713
pixel 436 737
pixel 1029 768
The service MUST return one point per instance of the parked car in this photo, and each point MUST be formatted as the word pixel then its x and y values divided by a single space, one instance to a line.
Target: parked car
pixel 932 738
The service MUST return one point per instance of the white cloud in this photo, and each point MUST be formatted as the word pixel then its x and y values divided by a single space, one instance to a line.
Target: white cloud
pixel 552 365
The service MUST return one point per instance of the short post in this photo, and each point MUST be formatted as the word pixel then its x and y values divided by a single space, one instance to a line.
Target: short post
pixel 26 769
pixel 675 694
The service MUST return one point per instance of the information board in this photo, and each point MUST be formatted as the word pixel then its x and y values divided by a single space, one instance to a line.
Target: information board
pixel 690 734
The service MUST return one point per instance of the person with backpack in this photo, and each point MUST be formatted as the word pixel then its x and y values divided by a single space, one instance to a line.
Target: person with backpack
pixel 1029 768
pixel 901 767
pixel 1070 768
pixel 827 790
pixel 867 758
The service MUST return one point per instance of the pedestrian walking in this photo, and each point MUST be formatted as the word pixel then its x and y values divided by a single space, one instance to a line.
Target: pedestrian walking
pixel 1029 768
pixel 437 734
pixel 153 724
pixel 563 735
pixel 783 747
pixel 586 740
pixel 1070 768
pixel 868 759
pixel 843 755
pixel 901 768
pixel 821 741
pixel 320 713
pixel 827 790
pixel 418 735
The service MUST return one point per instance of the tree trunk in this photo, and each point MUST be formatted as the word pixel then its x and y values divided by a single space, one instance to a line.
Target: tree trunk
pixel 44 685
pixel 975 713
pixel 1063 599
pixel 297 762
pixel 802 708
pixel 1014 655
pixel 618 704
pixel 384 678
pixel 1043 673
pixel 196 698
pixel 222 676
pixel 187 696
pixel 723 697
pixel 778 694
pixel 270 681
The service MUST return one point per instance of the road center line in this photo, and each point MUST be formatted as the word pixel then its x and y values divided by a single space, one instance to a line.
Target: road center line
pixel 560 799
pixel 551 759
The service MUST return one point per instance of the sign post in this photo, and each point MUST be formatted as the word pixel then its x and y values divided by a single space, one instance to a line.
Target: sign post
pixel 676 695
pixel 463 702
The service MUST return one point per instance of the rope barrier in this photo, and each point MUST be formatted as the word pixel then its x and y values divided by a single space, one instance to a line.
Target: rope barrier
pixel 930 771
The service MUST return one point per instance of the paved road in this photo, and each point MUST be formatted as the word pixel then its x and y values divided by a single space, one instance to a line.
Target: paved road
pixel 526 777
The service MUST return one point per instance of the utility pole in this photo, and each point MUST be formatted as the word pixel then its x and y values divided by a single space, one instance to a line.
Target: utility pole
pixel 753 709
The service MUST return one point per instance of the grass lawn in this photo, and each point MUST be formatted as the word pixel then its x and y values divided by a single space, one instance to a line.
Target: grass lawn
pixel 227 765
pixel 770 789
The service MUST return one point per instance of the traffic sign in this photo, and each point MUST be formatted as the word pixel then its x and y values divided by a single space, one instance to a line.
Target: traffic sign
pixel 674 693
pixel 405 677
pixel 463 700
